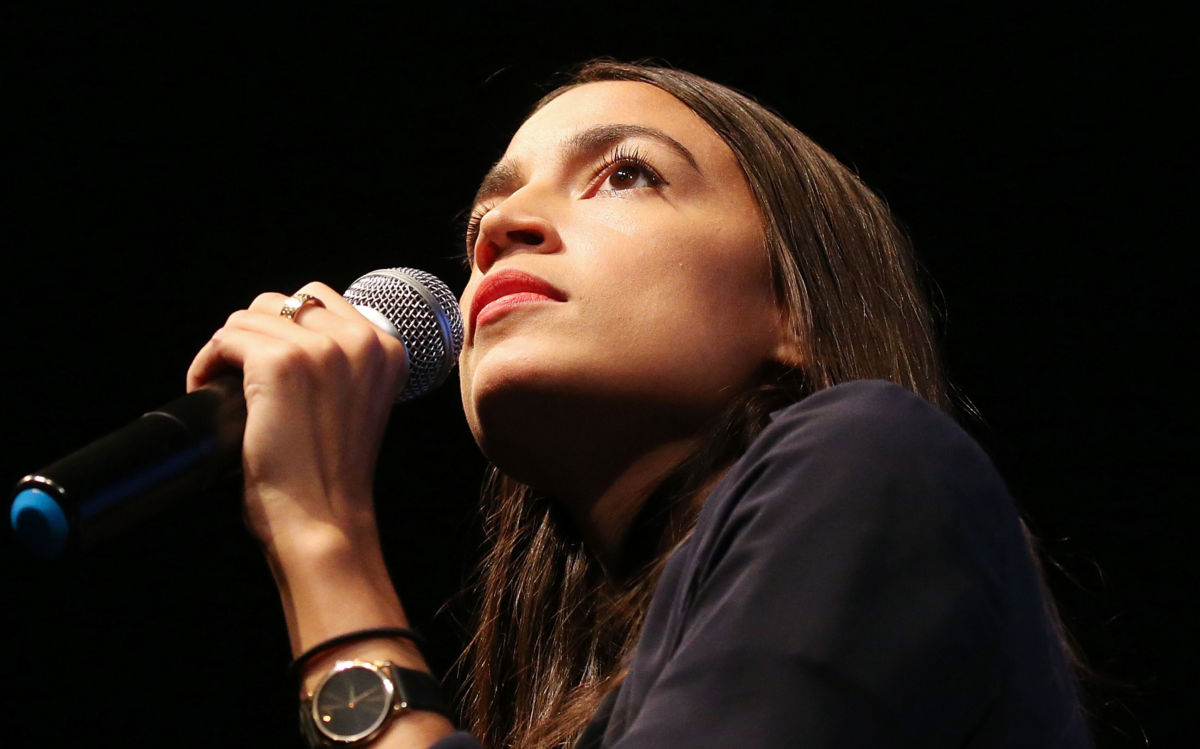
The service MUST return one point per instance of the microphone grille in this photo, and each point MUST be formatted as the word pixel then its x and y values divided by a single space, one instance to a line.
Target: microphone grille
pixel 422 312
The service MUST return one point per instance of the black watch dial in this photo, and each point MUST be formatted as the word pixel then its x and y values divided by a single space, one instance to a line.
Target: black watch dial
pixel 352 703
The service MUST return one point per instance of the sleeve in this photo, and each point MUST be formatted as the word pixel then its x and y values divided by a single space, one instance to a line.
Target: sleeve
pixel 457 740
pixel 849 595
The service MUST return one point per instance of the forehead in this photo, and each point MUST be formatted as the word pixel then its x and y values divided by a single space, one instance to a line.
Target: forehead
pixel 618 103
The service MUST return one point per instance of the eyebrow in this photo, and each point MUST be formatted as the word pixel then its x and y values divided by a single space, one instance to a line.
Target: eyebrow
pixel 505 177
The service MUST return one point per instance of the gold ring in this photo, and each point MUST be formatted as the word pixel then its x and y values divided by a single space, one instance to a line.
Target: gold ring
pixel 292 305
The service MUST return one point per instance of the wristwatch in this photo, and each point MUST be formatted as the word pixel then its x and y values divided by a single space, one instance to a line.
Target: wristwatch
pixel 356 701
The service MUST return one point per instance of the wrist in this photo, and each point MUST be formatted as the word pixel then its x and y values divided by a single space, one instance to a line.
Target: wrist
pixel 308 518
pixel 357 701
pixel 318 544
pixel 311 667
pixel 330 584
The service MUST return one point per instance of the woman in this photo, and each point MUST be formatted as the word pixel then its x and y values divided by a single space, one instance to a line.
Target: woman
pixel 720 511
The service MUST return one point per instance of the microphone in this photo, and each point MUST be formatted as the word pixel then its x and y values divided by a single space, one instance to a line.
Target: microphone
pixel 187 445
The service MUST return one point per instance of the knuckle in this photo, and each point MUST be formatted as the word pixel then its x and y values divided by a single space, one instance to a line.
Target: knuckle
pixel 319 290
pixel 289 357
pixel 327 353
pixel 394 350
pixel 363 339
pixel 394 358
pixel 265 300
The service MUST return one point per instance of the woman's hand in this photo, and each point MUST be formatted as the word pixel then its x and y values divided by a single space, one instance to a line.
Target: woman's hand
pixel 318 389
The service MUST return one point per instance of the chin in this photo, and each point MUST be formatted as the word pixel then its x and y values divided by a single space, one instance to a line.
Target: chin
pixel 530 419
pixel 499 397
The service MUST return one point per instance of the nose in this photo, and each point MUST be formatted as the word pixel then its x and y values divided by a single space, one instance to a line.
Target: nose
pixel 515 225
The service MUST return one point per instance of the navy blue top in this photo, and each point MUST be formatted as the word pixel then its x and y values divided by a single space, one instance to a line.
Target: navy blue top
pixel 858 578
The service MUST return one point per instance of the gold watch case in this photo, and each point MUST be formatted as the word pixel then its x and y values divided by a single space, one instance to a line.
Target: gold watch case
pixel 354 702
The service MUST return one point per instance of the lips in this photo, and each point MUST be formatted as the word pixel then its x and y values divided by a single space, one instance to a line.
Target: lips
pixel 509 288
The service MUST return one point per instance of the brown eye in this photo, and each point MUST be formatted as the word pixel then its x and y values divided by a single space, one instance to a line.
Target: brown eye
pixel 625 176
pixel 630 175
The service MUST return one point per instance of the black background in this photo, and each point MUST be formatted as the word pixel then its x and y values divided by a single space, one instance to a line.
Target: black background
pixel 164 166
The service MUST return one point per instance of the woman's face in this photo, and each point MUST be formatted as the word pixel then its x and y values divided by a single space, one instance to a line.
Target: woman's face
pixel 618 273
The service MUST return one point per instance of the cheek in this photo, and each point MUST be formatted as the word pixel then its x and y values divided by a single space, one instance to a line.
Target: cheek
pixel 465 379
pixel 468 293
pixel 706 276
pixel 677 312
pixel 700 315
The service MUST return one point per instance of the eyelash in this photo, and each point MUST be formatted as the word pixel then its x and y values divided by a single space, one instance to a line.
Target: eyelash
pixel 472 233
pixel 622 155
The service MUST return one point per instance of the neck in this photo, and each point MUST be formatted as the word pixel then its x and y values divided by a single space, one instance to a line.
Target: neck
pixel 604 509
pixel 599 465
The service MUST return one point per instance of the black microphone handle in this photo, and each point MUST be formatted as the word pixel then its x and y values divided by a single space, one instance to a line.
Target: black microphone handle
pixel 168 454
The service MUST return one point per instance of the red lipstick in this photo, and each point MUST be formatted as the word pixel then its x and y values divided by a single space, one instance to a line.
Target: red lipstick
pixel 506 289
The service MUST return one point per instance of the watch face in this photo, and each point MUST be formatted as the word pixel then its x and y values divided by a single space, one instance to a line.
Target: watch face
pixel 352 702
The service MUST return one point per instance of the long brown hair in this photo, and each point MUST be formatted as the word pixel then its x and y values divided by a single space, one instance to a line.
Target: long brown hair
pixel 555 629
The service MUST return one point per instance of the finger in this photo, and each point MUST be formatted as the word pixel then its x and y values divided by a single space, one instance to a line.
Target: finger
pixel 361 340
pixel 214 359
pixel 325 312
pixel 329 300
pixel 317 321
pixel 333 300
pixel 366 347
pixel 393 348
pixel 249 336
pixel 205 365
pixel 267 314
pixel 349 347
pixel 290 308
pixel 340 319
pixel 323 296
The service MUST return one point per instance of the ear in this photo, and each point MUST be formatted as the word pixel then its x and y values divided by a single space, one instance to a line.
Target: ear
pixel 789 350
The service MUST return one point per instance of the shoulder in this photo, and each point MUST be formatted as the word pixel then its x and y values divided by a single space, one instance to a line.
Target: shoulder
pixel 864 417
pixel 866 466
pixel 869 434
pixel 865 562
